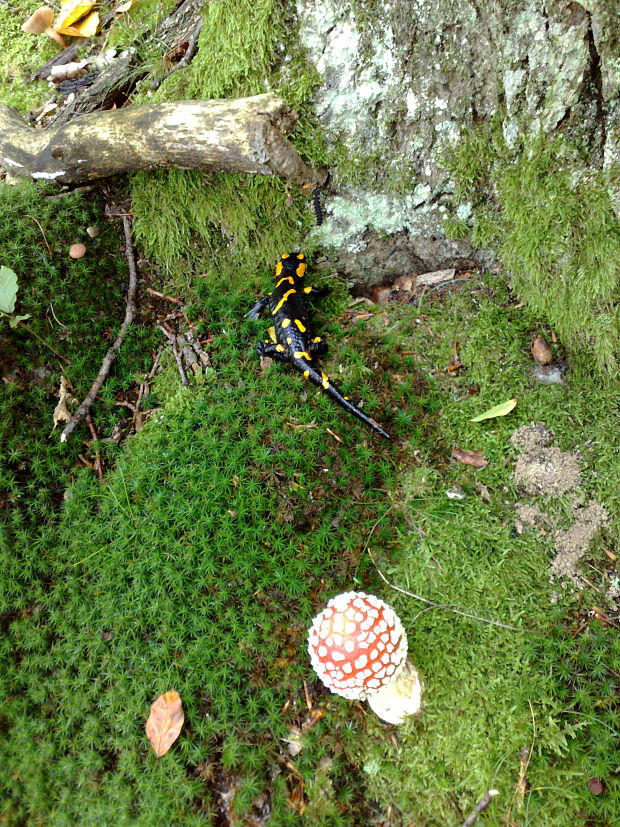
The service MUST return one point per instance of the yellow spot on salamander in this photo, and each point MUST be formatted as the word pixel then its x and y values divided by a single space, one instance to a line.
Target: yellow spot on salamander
pixel 272 334
pixel 283 299
pixel 301 354
pixel 280 348
pixel 289 341
pixel 301 269
pixel 308 289
pixel 325 379
pixel 285 323
pixel 300 326
pixel 278 268
pixel 306 373
pixel 300 256
pixel 285 255
pixel 290 280
pixel 316 339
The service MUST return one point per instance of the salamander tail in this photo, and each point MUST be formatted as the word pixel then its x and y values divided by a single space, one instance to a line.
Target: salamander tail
pixel 321 380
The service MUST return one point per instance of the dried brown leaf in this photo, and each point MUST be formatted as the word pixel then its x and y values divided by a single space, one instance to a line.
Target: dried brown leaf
pixel 475 458
pixel 61 411
pixel 165 722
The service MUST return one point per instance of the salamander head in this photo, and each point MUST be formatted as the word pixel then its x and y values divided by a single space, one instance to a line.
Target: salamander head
pixel 293 256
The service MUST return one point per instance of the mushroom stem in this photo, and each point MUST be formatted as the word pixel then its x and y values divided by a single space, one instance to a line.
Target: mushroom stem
pixel 400 698
pixel 50 32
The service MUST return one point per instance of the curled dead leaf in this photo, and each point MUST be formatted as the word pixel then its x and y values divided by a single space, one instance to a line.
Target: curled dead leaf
pixel 61 411
pixel 475 458
pixel 165 722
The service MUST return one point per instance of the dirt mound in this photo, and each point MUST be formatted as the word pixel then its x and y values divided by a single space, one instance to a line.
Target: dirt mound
pixel 543 469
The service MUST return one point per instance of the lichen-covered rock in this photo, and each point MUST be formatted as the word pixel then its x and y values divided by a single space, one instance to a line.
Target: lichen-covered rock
pixel 403 80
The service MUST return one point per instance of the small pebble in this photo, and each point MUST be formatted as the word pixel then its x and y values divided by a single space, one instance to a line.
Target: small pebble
pixel 93 232
pixel 77 250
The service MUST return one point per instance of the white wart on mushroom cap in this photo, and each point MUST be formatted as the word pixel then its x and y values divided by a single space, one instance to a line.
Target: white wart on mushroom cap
pixel 357 645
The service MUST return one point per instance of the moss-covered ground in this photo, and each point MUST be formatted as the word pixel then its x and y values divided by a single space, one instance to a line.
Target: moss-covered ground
pixel 226 522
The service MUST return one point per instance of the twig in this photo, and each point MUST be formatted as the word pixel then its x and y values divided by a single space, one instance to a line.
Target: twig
pixel 49 249
pixel 524 761
pixel 440 605
pixel 162 295
pixel 110 356
pixel 472 818
pixel 95 436
pixel 173 343
pixel 417 596
pixel 43 342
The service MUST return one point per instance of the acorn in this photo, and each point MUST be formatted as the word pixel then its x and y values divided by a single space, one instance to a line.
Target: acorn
pixel 541 351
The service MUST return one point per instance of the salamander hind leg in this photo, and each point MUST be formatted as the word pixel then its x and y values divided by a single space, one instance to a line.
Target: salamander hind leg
pixel 318 347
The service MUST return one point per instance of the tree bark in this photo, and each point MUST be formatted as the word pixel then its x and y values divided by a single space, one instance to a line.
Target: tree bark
pixel 237 135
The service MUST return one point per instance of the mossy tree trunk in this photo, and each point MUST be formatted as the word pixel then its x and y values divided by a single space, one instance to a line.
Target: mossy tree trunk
pixel 240 135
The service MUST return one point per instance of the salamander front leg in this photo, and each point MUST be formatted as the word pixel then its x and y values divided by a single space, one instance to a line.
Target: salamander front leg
pixel 316 292
pixel 258 308
pixel 277 352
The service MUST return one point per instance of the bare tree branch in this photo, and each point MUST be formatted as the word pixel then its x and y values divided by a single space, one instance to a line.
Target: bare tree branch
pixel 238 135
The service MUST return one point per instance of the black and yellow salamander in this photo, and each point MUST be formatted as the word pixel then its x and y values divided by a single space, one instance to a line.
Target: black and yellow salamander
pixel 292 341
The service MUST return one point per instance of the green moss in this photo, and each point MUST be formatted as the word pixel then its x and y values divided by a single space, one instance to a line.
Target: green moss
pixel 20 54
pixel 75 307
pixel 556 234
pixel 561 249
pixel 491 692
pixel 141 18
pixel 196 565
pixel 188 215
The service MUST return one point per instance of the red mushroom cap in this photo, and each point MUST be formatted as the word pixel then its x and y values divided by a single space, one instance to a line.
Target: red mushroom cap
pixel 357 645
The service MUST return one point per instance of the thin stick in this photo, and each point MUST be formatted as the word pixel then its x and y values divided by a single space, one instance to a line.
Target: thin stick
pixel 472 818
pixel 43 342
pixel 173 343
pixel 95 436
pixel 440 605
pixel 110 356
pixel 163 296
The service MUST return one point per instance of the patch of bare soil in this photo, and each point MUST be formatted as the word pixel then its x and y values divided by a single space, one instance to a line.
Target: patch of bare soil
pixel 543 469
pixel 573 543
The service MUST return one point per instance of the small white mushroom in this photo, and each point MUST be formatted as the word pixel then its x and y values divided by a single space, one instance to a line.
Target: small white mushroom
pixel 41 22
pixel 358 648
pixel 77 250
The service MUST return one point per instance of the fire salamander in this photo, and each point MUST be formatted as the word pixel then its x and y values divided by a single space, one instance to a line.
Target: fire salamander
pixel 291 340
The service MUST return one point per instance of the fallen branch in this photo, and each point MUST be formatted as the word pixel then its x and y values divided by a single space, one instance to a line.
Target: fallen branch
pixel 110 356
pixel 244 135
pixel 472 818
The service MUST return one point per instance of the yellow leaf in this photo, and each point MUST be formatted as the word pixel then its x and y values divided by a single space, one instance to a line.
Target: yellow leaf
pixel 123 7
pixel 165 721
pixel 84 28
pixel 70 11
pixel 497 410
